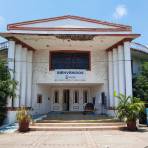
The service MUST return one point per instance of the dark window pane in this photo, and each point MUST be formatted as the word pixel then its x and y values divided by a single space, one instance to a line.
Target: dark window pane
pixel 56 97
pixel 39 98
pixel 61 60
pixel 76 97
pixel 85 96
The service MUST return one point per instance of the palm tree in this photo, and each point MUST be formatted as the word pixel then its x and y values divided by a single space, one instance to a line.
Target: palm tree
pixel 128 109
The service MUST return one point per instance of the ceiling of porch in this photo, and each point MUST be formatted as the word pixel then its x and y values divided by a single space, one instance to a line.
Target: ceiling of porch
pixel 41 42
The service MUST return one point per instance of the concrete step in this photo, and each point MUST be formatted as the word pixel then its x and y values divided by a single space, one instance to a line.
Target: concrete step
pixel 75 128
pixel 77 121
pixel 78 124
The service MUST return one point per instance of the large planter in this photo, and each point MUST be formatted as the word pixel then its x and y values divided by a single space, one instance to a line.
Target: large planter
pixel 24 126
pixel 131 125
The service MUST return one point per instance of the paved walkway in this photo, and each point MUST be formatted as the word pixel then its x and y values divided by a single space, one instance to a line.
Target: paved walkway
pixel 75 139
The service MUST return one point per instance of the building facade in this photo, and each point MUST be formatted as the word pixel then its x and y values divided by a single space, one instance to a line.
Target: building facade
pixel 139 55
pixel 62 63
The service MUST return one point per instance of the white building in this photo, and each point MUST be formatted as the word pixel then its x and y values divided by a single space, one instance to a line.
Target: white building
pixel 62 63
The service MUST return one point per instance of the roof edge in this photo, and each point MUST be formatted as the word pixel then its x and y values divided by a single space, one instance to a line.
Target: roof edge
pixel 69 17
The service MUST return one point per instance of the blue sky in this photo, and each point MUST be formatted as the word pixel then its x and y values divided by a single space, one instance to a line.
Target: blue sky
pixel 130 12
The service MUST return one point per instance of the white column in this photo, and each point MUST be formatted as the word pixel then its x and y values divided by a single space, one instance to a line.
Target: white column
pixel 11 55
pixel 23 77
pixel 121 69
pixel 71 99
pixel 81 99
pixel 18 59
pixel 115 73
pixel 110 78
pixel 29 78
pixel 61 99
pixel 128 71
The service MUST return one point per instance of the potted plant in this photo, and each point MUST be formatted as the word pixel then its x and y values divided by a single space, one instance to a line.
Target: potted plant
pixel 23 119
pixel 128 109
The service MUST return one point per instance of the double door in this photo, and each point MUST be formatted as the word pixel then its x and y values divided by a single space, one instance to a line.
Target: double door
pixel 70 99
pixel 75 99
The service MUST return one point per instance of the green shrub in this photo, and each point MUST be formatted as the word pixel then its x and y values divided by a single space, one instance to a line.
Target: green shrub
pixel 7 89
pixel 129 108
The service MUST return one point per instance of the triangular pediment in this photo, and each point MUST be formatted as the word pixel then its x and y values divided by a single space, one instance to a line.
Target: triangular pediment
pixel 68 23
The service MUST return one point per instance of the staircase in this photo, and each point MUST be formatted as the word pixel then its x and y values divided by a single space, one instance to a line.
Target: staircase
pixel 82 123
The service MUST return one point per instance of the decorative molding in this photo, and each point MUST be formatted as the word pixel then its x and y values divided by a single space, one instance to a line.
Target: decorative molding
pixel 6 34
pixel 76 108
pixel 56 108
pixel 75 37
pixel 18 26
pixel 69 29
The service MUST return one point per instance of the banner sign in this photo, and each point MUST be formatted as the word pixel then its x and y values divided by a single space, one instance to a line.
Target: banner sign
pixel 70 75
pixel 147 116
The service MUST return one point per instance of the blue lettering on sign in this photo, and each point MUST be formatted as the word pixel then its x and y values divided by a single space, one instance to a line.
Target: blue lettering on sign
pixel 70 72
pixel 70 75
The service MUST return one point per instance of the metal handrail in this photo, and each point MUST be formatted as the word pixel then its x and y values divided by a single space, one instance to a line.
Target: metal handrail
pixel 4 45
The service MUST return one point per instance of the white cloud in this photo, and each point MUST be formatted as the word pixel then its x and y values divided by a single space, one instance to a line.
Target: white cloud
pixel 120 12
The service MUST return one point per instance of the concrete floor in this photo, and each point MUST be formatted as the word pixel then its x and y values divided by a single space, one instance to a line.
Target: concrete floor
pixel 75 139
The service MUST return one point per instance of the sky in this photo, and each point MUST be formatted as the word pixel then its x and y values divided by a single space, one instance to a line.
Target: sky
pixel 128 12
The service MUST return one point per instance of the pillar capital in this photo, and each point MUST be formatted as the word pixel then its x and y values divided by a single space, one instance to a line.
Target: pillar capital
pixel 11 40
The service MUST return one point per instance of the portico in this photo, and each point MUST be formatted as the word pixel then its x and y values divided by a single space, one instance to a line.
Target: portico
pixel 94 57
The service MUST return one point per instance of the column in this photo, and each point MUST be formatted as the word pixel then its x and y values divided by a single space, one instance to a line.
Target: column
pixel 110 78
pixel 60 99
pixel 121 69
pixel 23 77
pixel 128 71
pixel 18 59
pixel 115 73
pixel 11 55
pixel 81 99
pixel 29 78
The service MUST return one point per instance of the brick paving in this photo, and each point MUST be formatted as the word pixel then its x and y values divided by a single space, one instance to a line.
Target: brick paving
pixel 75 139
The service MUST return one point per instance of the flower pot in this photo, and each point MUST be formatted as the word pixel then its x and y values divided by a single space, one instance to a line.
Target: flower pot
pixel 131 125
pixel 24 126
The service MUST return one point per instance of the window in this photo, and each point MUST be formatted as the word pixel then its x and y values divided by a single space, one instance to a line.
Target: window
pixel 76 96
pixel 70 60
pixel 65 96
pixel 103 97
pixel 85 96
pixel 39 98
pixel 56 97
pixel 132 66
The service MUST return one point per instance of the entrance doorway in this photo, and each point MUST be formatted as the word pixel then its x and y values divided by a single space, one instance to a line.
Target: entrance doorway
pixel 66 95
